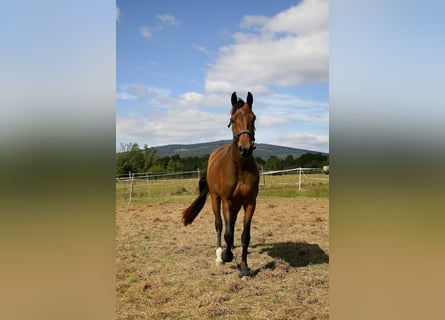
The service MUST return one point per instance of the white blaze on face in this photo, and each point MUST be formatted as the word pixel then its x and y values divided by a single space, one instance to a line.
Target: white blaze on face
pixel 219 260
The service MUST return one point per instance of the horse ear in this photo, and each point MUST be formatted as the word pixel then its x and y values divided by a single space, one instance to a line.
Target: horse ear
pixel 249 99
pixel 234 98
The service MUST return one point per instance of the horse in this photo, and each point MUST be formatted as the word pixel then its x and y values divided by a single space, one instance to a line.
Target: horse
pixel 232 179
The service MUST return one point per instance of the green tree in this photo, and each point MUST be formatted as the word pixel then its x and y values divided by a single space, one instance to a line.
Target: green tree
pixel 174 165
pixel 136 158
pixel 122 164
pixel 150 158
pixel 129 159
pixel 273 163
pixel 289 162
pixel 260 161
pixel 312 160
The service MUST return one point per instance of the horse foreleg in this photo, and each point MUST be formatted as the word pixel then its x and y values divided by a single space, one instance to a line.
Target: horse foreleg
pixel 245 240
pixel 227 254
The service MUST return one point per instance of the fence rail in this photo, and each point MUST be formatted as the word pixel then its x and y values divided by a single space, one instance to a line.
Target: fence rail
pixel 186 180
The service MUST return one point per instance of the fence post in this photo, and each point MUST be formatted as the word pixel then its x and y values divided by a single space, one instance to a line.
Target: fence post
pixel 130 176
pixel 299 179
pixel 264 176
pixel 148 185
pixel 199 174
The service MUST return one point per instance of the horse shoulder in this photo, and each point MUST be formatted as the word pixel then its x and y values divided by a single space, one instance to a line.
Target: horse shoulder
pixel 218 171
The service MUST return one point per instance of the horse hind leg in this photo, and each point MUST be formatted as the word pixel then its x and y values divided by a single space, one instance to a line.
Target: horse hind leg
pixel 216 205
pixel 232 224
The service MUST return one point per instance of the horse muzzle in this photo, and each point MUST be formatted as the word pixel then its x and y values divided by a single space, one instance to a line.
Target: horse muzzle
pixel 246 152
pixel 245 145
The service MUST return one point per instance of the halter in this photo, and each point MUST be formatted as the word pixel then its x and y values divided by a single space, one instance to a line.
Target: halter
pixel 236 135
pixel 250 133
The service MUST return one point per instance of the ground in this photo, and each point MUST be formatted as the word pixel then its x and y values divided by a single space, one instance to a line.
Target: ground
pixel 167 271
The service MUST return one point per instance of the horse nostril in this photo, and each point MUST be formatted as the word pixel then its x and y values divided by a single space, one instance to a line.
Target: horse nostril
pixel 244 152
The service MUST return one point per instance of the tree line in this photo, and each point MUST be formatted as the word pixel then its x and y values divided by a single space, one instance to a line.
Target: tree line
pixel 132 158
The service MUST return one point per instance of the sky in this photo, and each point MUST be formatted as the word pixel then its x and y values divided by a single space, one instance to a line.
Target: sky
pixel 178 62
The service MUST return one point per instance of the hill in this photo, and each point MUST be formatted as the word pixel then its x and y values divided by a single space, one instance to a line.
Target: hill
pixel 263 150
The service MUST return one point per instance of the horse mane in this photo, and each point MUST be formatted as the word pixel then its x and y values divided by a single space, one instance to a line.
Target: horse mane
pixel 238 105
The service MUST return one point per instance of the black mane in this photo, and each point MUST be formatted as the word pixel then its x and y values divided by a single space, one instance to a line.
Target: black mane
pixel 238 104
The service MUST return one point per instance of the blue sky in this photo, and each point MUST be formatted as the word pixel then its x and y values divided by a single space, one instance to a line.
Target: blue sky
pixel 177 64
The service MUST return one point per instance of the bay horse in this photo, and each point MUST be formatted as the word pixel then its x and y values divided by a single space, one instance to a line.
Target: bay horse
pixel 232 180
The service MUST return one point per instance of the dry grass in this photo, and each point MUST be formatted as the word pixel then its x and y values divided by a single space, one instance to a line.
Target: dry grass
pixel 167 271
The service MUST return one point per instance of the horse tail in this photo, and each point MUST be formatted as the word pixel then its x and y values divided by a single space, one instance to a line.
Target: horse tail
pixel 192 212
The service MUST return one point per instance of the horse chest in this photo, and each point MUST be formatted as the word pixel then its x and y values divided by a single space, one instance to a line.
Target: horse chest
pixel 243 188
pixel 240 191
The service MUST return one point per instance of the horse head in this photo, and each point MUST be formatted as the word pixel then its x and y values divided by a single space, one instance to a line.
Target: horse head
pixel 242 120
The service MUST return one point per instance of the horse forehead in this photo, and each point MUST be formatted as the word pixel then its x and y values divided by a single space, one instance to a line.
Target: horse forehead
pixel 244 111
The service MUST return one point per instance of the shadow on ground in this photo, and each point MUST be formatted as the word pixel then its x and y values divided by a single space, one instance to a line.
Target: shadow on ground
pixel 296 254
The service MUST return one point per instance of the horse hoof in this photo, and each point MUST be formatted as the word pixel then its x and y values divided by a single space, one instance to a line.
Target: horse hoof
pixel 245 273
pixel 227 256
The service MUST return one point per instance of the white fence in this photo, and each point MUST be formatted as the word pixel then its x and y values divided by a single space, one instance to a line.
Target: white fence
pixel 302 174
pixel 152 180
pixel 162 179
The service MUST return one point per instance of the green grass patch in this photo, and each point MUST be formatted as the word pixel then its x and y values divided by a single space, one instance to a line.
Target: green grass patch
pixel 290 186
pixel 313 186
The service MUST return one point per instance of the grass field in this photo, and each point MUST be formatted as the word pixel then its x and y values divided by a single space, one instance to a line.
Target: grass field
pixel 178 190
pixel 167 271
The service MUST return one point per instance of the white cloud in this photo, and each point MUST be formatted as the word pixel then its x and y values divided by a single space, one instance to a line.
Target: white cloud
pixel 146 32
pixel 294 108
pixel 304 140
pixel 125 96
pixel 168 19
pixel 190 99
pixel 175 125
pixel 194 99
pixel 273 121
pixel 140 90
pixel 285 50
pixel 309 17
pixel 161 97
pixel 190 117
pixel 203 49
pixel 254 22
